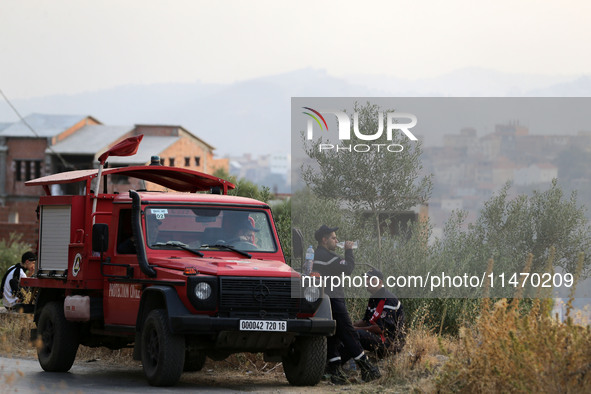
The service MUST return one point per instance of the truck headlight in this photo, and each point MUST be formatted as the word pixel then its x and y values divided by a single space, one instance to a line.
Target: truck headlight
pixel 311 294
pixel 202 291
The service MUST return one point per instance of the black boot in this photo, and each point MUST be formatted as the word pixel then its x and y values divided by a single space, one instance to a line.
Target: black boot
pixel 369 371
pixel 337 375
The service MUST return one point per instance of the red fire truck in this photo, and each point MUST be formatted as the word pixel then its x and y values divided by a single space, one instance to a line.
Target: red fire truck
pixel 180 276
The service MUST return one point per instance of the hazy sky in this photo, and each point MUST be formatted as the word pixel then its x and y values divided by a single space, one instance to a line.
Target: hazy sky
pixel 71 46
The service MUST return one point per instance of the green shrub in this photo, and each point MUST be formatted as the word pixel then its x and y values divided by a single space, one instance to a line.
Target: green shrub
pixel 11 251
pixel 282 217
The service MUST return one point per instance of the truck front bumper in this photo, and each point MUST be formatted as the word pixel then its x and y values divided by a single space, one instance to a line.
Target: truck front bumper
pixel 200 324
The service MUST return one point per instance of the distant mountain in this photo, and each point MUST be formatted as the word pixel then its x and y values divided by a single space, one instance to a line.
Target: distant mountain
pixel 244 117
pixel 254 116
pixel 466 82
pixel 127 104
pixel 579 87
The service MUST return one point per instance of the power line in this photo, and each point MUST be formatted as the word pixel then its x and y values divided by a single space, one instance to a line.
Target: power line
pixel 64 162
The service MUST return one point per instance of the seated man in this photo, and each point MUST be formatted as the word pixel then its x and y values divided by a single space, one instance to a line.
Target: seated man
pixel 11 290
pixel 382 328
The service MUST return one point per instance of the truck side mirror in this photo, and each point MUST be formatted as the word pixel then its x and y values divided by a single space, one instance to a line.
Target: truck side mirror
pixel 100 237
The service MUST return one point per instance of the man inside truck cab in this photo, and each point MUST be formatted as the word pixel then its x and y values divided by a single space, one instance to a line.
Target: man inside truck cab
pixel 246 232
pixel 128 245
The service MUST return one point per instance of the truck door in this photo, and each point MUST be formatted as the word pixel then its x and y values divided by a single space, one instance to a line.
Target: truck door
pixel 122 289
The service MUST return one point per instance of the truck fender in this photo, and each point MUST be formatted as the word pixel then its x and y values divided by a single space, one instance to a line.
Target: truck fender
pixel 324 310
pixel 156 297
pixel 159 297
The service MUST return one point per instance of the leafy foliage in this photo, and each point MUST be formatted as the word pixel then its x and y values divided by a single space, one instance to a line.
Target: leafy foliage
pixel 245 188
pixel 311 211
pixel 11 251
pixel 282 216
pixel 507 230
pixel 374 181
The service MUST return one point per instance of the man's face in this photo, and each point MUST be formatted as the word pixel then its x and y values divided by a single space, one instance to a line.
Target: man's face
pixel 30 265
pixel 373 284
pixel 246 235
pixel 330 241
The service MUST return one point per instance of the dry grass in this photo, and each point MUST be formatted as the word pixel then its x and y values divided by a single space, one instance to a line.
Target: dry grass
pixel 15 331
pixel 512 350
pixel 414 369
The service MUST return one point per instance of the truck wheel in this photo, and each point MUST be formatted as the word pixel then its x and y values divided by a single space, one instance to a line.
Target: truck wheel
pixel 163 354
pixel 304 364
pixel 194 360
pixel 59 339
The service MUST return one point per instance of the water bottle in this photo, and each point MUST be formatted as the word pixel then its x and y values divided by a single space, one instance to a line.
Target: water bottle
pixel 307 269
pixel 351 366
pixel 342 244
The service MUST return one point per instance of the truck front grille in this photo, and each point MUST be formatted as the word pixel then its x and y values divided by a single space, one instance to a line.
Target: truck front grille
pixel 258 298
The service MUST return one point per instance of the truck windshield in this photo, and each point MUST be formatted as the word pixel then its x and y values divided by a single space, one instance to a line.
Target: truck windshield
pixel 209 229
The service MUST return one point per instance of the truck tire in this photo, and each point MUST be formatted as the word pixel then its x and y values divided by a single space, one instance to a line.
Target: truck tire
pixel 194 360
pixel 163 354
pixel 59 339
pixel 304 364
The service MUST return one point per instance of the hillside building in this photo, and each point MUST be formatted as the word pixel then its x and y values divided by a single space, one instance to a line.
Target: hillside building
pixel 41 145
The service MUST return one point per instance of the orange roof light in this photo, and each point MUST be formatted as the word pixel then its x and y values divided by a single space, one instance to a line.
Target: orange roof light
pixel 190 271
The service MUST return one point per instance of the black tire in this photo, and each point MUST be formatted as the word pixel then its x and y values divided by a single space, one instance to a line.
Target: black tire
pixel 163 354
pixel 304 364
pixel 194 360
pixel 59 339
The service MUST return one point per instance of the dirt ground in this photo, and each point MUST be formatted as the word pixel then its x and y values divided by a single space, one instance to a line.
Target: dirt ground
pixel 219 375
pixel 240 372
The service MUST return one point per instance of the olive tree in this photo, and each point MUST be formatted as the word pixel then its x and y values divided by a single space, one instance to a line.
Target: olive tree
pixel 375 181
pixel 509 228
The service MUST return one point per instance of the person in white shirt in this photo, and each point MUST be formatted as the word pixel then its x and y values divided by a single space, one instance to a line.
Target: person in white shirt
pixel 11 280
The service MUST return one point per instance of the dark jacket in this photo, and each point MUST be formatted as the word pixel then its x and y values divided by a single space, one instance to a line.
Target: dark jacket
pixel 328 264
pixel 385 310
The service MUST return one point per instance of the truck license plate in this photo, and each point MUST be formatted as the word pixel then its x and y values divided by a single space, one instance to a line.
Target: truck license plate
pixel 263 325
